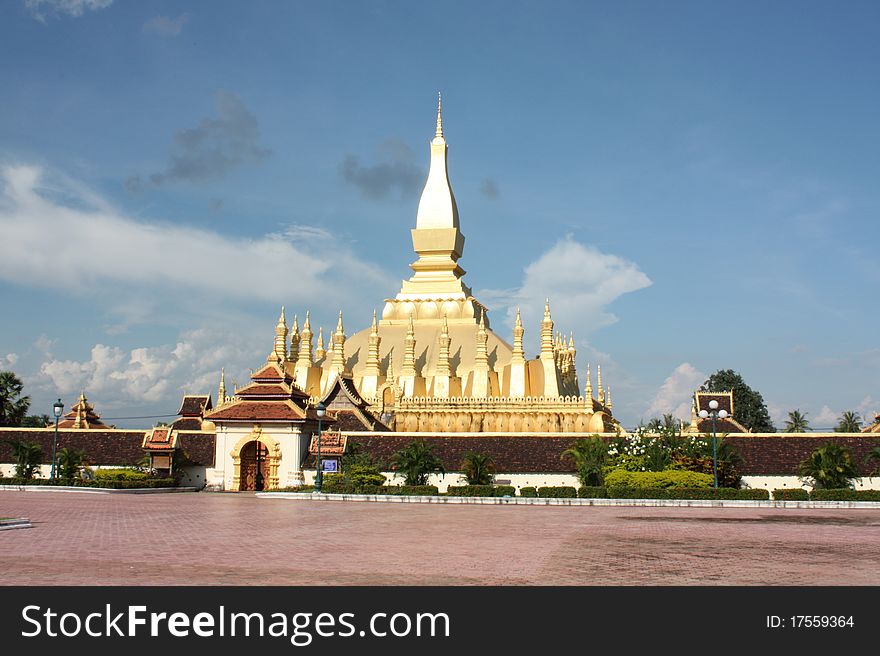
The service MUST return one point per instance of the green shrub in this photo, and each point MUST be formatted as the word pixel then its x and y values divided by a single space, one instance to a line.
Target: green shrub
pixel 844 494
pixel 829 467
pixel 480 491
pixel 361 474
pixel 557 492
pixel 478 468
pixel 725 493
pixel 529 491
pixel 648 479
pixel 104 475
pixel 299 488
pixel 590 456
pixel 592 492
pixel 794 494
pixel 133 484
pixel 113 484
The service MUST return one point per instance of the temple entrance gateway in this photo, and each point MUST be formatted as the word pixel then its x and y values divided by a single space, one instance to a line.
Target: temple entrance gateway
pixel 254 473
pixel 251 450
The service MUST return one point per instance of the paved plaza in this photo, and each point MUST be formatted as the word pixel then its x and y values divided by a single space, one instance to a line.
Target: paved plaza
pixel 238 539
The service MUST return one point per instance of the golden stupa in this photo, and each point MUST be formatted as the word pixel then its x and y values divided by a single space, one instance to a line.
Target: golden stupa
pixel 431 362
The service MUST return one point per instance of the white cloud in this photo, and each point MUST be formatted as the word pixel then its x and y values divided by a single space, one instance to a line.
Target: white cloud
pixel 121 378
pixel 40 9
pixel 676 393
pixel 868 409
pixel 97 249
pixel 11 359
pixel 580 281
pixel 826 418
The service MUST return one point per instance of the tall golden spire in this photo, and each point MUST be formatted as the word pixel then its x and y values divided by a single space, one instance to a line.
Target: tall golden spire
pixel 443 366
pixel 519 353
pixel 547 350
pixel 320 353
pixel 221 391
pixel 293 354
pixel 599 384
pixel 409 353
pixel 372 367
pixel 608 402
pixel 338 363
pixel 279 353
pixel 588 389
pixel 305 343
pixel 438 134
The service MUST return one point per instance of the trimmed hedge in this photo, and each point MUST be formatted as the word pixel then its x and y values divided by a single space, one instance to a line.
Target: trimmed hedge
pixel 845 494
pixel 298 488
pixel 402 490
pixel 793 494
pixel 480 491
pixel 557 492
pixel 592 492
pixel 120 475
pixel 106 484
pixel 662 479
pixel 529 491
pixel 684 493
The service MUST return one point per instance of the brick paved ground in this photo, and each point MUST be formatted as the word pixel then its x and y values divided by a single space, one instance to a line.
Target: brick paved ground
pixel 238 539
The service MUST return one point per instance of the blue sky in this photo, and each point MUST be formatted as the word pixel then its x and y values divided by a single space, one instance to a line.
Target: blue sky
pixel 693 184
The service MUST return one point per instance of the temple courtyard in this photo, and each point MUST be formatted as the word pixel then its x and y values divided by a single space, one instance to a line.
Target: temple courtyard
pixel 239 539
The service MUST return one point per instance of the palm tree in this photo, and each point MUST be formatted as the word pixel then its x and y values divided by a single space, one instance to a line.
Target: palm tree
pixel 874 454
pixel 13 406
pixel 797 422
pixel 829 467
pixel 478 468
pixel 589 455
pixel 70 462
pixel 28 457
pixel 850 422
pixel 415 462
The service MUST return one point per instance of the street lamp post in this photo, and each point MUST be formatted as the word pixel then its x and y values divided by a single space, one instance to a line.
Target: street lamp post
pixel 320 410
pixel 716 414
pixel 58 410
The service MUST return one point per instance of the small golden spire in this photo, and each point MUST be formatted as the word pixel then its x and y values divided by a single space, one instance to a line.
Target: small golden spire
pixel 221 391
pixel 588 390
pixel 281 320
pixel 608 402
pixel 439 132
pixel 518 323
pixel 374 326
pixel 599 384
pixel 339 329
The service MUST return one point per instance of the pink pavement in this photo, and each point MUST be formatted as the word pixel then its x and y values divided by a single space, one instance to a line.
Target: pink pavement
pixel 238 539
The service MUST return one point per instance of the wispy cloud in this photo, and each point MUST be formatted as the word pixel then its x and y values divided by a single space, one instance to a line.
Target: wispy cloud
pixel 165 25
pixel 99 250
pixel 42 9
pixel 213 149
pixel 397 172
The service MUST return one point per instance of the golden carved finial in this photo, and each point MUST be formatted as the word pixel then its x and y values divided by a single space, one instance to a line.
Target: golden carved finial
pixel 439 132
pixel 319 349
pixel 588 390
pixel 281 320
pixel 599 384
pixel 221 390
pixel 374 326
pixel 518 323
pixel 308 324
pixel 608 402
pixel 339 328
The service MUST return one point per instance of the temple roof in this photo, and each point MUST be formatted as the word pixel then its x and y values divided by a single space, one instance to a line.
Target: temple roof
pixel 82 415
pixel 194 405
